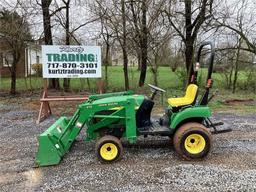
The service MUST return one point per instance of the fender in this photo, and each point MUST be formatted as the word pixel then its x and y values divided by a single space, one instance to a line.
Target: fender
pixel 192 112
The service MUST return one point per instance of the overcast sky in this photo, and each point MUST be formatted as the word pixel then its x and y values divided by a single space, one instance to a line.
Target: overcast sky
pixel 79 13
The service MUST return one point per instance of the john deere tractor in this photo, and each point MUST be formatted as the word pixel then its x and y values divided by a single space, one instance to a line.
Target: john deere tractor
pixel 108 118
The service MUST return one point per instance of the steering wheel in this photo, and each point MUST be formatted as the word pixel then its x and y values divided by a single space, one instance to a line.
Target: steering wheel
pixel 154 90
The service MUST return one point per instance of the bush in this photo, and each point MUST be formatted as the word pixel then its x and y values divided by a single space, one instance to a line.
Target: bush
pixel 249 82
pixel 182 75
pixel 37 67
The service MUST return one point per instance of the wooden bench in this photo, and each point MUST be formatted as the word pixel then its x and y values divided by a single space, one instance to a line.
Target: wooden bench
pixel 45 109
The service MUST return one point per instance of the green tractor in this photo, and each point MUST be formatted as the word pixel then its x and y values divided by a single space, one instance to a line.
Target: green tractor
pixel 110 117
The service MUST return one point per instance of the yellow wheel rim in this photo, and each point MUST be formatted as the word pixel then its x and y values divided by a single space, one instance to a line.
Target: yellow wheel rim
pixel 195 143
pixel 108 151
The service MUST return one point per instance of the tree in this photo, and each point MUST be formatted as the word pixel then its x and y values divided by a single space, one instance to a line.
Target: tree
pixel 144 32
pixel 108 40
pixel 238 24
pixel 143 18
pixel 124 45
pixel 187 18
pixel 45 4
pixel 241 21
pixel 63 19
pixel 144 43
pixel 231 59
pixel 66 82
pixel 114 16
pixel 15 32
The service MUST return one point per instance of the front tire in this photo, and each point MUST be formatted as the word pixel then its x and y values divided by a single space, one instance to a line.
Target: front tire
pixel 109 149
pixel 192 141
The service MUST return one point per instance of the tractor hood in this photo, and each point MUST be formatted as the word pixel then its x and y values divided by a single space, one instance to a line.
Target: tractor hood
pixel 138 99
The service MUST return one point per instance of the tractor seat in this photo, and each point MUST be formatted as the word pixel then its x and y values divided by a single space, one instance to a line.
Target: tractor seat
pixel 188 99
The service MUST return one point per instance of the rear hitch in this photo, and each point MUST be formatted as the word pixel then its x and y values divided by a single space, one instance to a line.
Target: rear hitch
pixel 210 124
pixel 215 131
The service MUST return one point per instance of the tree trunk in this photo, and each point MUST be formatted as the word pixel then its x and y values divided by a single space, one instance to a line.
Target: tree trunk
pixel 139 59
pixel 126 78
pixel 88 84
pixel 154 70
pixel 138 38
pixel 82 82
pixel 230 76
pixel 66 82
pixel 13 83
pixel 107 62
pixel 189 51
pixel 53 83
pixel 236 66
pixel 124 48
pixel 16 58
pixel 144 44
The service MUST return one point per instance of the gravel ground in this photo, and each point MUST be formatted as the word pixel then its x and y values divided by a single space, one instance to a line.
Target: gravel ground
pixel 150 165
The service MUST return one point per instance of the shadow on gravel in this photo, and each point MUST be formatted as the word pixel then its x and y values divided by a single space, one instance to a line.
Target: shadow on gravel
pixel 145 143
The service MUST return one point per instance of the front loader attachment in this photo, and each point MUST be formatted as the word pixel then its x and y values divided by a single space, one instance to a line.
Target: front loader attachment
pixel 56 140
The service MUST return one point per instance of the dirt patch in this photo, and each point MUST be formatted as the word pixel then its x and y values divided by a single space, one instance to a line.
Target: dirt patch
pixel 240 102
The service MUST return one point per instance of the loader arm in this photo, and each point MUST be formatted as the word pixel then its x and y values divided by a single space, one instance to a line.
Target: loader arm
pixel 56 141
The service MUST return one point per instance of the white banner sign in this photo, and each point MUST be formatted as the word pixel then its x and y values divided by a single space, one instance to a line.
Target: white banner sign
pixel 71 61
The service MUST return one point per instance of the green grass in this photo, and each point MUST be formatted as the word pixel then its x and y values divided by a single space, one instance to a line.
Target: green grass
pixel 167 80
pixel 22 84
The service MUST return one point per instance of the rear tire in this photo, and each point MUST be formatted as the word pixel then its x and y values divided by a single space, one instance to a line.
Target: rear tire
pixel 109 149
pixel 192 141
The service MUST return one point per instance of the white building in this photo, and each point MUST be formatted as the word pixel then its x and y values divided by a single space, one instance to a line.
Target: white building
pixel 33 55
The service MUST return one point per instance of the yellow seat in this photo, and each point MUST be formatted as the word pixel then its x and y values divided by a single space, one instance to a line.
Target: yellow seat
pixel 188 99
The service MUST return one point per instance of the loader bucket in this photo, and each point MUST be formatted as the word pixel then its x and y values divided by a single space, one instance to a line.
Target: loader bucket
pixel 55 142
